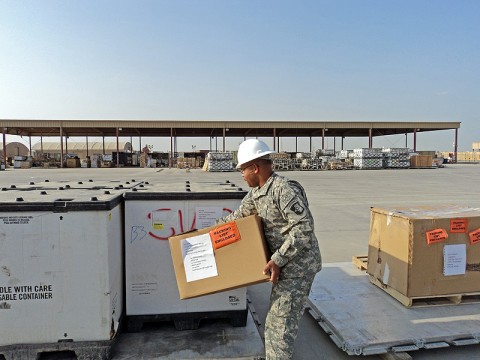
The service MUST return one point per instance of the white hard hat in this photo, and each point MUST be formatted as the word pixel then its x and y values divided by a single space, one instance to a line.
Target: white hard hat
pixel 252 149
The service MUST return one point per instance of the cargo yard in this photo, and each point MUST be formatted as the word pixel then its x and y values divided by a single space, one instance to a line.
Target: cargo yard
pixel 340 202
pixel 217 161
pixel 130 135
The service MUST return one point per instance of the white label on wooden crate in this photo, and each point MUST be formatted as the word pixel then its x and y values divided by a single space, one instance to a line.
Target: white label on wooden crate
pixel 454 259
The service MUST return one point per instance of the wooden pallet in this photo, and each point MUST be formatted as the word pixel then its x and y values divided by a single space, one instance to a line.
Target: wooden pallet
pixel 360 261
pixel 424 301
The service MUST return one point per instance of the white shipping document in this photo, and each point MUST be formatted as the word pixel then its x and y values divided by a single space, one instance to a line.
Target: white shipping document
pixel 198 258
pixel 454 259
pixel 165 218
pixel 206 216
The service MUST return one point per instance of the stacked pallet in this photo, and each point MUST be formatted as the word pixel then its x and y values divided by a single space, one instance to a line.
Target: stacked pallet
pixel 368 158
pixel 95 160
pixel 281 161
pixel 345 154
pixel 396 158
pixel 324 152
pixel 339 164
pixel 85 163
pixel 219 161
pixel 187 163
pixel 311 164
pixel 303 155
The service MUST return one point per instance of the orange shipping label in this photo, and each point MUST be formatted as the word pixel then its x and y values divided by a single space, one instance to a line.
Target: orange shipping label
pixel 437 235
pixel 474 236
pixel 458 225
pixel 224 235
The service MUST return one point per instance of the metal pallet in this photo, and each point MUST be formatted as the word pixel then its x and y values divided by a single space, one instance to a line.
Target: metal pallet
pixel 216 339
pixel 361 319
pixel 83 350
pixel 188 321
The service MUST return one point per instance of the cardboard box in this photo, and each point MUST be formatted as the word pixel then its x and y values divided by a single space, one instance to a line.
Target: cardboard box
pixel 412 250
pixel 240 257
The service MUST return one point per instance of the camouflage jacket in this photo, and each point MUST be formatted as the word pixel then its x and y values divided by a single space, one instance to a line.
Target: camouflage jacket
pixel 287 224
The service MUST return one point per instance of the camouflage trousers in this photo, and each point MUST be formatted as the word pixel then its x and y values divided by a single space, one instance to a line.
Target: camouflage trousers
pixel 287 302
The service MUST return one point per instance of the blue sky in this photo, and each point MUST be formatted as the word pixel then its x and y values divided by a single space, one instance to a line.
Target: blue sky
pixel 335 60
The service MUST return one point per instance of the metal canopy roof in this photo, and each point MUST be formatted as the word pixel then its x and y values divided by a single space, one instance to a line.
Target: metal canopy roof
pixel 81 146
pixel 189 128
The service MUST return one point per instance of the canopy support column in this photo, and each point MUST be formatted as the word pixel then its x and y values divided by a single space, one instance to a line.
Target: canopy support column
pixel 118 150
pixel 61 147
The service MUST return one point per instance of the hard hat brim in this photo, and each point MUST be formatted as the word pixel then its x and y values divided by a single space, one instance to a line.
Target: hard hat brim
pixel 257 156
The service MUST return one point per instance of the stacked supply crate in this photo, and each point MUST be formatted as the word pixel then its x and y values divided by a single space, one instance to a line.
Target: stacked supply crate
pixel 368 158
pixel 219 161
pixel 62 269
pixel 346 157
pixel 153 213
pixel 18 161
pixel 345 154
pixel 325 156
pixel 96 158
pixel 325 152
pixel 396 158
pixel 297 159
pixel 310 162
pixel 281 161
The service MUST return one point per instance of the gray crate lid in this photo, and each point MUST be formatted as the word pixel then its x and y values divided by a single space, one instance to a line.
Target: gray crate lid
pixel 188 190
pixel 60 200
pixel 78 184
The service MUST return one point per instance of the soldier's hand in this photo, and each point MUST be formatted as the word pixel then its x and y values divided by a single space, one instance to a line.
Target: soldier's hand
pixel 272 269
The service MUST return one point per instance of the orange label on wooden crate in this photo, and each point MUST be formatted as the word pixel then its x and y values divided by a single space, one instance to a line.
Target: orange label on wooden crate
pixel 458 225
pixel 224 235
pixel 474 236
pixel 437 235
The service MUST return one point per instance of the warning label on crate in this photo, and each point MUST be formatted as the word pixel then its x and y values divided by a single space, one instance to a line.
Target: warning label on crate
pixel 458 225
pixel 26 292
pixel 16 220
pixel 474 236
pixel 224 235
pixel 435 236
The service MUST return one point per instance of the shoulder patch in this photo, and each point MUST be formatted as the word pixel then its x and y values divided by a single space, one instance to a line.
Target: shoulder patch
pixel 297 208
pixel 286 197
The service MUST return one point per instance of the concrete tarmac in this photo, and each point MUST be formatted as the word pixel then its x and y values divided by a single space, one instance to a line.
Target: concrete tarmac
pixel 340 202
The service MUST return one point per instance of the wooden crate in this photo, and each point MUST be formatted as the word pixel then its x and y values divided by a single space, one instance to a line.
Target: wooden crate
pixel 421 161
pixel 361 261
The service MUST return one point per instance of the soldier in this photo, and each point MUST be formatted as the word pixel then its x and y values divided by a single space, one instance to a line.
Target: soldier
pixel 289 232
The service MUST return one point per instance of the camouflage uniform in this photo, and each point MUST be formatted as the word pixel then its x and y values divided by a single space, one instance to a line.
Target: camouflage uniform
pixel 289 232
